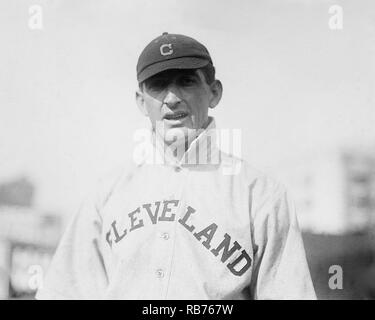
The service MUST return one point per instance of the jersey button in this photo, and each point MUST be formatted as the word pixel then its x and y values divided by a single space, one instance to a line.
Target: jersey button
pixel 160 273
pixel 165 235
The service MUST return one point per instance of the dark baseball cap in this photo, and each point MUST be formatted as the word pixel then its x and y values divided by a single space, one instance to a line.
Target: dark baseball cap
pixel 171 51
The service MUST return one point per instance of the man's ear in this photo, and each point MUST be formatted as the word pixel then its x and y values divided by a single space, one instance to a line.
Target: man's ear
pixel 139 97
pixel 217 91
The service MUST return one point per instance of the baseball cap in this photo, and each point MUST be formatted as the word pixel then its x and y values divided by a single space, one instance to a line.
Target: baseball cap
pixel 171 51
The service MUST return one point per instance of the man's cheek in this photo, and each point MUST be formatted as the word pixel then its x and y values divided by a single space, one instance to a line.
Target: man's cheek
pixel 154 114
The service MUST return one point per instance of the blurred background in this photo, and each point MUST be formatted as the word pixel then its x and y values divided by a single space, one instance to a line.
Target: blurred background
pixel 298 80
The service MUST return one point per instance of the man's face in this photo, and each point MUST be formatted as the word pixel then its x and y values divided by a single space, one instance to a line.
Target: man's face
pixel 178 100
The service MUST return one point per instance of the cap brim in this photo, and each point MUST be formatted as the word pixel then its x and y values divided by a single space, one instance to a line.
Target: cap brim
pixel 177 63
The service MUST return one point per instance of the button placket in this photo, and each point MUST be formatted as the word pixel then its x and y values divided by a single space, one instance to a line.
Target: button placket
pixel 163 265
pixel 171 233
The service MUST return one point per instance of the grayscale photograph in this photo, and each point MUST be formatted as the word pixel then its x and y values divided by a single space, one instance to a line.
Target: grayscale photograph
pixel 187 150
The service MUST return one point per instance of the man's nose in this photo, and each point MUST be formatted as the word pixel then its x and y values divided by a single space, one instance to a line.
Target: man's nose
pixel 172 98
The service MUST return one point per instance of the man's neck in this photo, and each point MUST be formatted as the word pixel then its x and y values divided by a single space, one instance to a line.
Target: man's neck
pixel 177 148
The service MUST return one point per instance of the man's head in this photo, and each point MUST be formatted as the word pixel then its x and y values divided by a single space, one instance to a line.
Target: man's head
pixel 177 84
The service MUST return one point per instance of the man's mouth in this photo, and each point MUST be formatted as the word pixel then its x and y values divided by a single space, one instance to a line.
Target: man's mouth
pixel 178 115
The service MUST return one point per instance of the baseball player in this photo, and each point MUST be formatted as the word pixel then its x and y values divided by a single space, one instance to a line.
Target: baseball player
pixel 186 220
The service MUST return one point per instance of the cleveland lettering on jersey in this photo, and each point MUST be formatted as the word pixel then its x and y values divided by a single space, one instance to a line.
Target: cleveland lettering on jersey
pixel 206 236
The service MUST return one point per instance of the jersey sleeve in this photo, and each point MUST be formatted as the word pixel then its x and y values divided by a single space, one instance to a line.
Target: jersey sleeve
pixel 280 270
pixel 77 270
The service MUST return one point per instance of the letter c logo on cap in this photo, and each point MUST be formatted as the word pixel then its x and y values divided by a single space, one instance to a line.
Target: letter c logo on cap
pixel 167 52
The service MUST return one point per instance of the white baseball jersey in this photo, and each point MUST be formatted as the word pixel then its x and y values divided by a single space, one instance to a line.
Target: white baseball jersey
pixel 181 231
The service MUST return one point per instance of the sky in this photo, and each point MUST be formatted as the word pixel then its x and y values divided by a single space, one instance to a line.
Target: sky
pixel 67 91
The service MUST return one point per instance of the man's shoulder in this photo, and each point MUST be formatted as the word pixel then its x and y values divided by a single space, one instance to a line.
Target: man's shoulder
pixel 261 184
pixel 108 181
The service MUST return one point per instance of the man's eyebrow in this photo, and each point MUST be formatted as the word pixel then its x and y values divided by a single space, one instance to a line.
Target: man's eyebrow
pixel 190 74
pixel 172 75
pixel 159 76
pixel 156 79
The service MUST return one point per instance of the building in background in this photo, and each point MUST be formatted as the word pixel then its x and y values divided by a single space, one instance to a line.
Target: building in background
pixel 28 239
pixel 334 194
pixel 334 191
pixel 18 192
